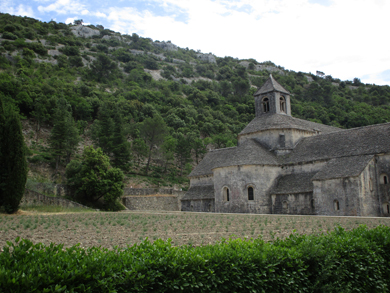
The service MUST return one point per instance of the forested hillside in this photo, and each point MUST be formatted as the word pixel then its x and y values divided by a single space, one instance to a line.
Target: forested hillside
pixel 152 107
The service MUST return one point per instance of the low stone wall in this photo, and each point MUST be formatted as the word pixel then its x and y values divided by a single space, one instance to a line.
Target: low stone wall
pixel 33 198
pixel 149 191
pixel 152 203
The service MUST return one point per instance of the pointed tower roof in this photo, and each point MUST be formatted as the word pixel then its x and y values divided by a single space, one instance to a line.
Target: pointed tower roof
pixel 271 85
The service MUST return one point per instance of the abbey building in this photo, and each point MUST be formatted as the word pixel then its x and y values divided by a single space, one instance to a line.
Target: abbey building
pixel 286 165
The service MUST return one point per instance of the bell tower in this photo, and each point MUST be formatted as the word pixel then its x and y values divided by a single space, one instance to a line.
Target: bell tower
pixel 272 98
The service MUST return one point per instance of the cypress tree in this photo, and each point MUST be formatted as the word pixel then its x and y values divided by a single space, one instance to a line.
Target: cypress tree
pixel 120 145
pixel 105 128
pixel 13 164
pixel 64 136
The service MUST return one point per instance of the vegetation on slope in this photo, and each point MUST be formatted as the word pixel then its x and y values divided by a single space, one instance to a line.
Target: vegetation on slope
pixel 117 86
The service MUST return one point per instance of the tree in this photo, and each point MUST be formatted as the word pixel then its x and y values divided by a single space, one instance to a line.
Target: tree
pixel 13 164
pixel 103 67
pixel 64 136
pixel 40 113
pixel 120 145
pixel 183 151
pixel 78 21
pixel 199 148
pixel 94 179
pixel 168 148
pixel 103 129
pixel 140 149
pixel 153 131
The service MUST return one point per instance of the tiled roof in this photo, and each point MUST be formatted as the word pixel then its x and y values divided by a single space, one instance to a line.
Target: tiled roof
pixel 343 167
pixel 271 85
pixel 249 152
pixel 211 159
pixel 368 140
pixel 281 121
pixel 294 183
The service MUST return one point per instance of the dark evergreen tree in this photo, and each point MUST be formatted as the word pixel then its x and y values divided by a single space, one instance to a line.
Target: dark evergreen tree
pixel 64 135
pixel 103 130
pixel 120 145
pixel 13 164
pixel 183 151
pixel 153 130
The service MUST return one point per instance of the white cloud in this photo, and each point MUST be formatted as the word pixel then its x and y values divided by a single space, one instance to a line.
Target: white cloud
pixel 63 7
pixel 70 20
pixel 345 39
pixel 20 10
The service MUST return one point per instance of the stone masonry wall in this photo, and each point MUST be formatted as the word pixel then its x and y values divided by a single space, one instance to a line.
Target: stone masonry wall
pixel 152 203
pixel 149 191
pixel 33 198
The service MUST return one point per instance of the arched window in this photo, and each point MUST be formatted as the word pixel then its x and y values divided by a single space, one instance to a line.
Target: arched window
pixel 336 205
pixel 386 208
pixel 226 194
pixel 370 184
pixel 265 105
pixel 282 104
pixel 250 193
pixel 384 179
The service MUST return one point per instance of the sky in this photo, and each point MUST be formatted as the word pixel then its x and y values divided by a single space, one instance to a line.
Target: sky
pixel 342 38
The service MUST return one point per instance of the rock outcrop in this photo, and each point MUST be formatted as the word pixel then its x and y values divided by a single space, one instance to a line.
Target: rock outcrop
pixel 210 58
pixel 84 31
pixel 168 46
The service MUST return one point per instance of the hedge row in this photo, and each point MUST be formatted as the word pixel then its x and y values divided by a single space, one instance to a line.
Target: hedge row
pixel 340 261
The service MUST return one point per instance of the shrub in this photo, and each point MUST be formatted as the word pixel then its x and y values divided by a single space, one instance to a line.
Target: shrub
pixel 355 261
pixel 9 36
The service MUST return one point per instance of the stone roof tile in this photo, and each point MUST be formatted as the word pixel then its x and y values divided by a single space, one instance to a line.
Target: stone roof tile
pixel 271 85
pixel 343 167
pixel 281 121
pixel 211 159
pixel 249 152
pixel 374 139
pixel 294 183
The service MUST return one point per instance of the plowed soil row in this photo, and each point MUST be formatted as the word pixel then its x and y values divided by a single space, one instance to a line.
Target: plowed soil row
pixel 122 229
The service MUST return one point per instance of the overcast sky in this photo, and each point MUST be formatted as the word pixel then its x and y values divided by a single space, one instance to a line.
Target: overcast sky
pixel 342 38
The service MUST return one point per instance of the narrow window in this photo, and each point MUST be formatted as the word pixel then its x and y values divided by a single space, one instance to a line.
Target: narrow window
pixel 265 105
pixel 370 184
pixel 336 205
pixel 226 194
pixel 282 140
pixel 312 203
pixel 282 105
pixel 250 193
pixel 384 179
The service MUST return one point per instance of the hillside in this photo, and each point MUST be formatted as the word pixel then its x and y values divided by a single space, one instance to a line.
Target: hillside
pixel 114 85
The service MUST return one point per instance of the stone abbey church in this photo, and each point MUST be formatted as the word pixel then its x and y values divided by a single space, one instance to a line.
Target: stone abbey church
pixel 285 165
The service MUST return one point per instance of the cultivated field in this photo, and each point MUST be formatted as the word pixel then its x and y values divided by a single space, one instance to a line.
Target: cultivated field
pixel 126 228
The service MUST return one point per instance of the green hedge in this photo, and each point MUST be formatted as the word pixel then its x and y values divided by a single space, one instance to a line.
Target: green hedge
pixel 340 261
